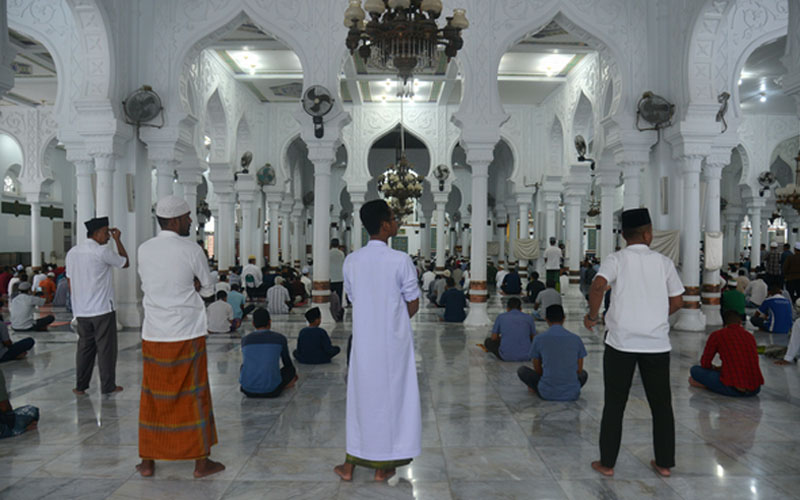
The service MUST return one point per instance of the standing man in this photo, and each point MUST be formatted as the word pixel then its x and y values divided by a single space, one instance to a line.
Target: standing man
pixel 384 420
pixel 791 272
pixel 89 277
pixel 552 262
pixel 176 421
pixel 645 290
pixel 774 265
pixel 336 262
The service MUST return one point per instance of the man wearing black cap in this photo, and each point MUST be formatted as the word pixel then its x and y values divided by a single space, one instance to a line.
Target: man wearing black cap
pixel 91 285
pixel 645 290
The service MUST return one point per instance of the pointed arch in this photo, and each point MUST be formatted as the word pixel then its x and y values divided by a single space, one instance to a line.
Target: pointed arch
pixel 216 129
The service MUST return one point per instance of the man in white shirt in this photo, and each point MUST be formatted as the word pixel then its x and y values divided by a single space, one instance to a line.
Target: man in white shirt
pixel 336 257
pixel 278 299
pixel 89 277
pixel 220 314
pixel 21 310
pixel 552 261
pixel 253 278
pixel 222 285
pixel 645 290
pixel 37 279
pixel 176 421
pixel 427 278
pixel 384 422
pixel 756 292
pixel 306 281
pixel 499 277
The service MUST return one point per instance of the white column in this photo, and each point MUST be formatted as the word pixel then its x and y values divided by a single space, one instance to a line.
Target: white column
pixel 299 251
pixel 465 239
pixel 274 203
pixel 608 185
pixel 357 199
pixel 733 224
pixel 85 198
pixel 215 215
pixel 190 179
pixel 479 158
pixel 631 176
pixel 262 236
pixel 246 229
pixel 691 317
pixel 711 292
pixel 424 235
pixel 322 156
pixel 36 237
pixel 224 228
pixel 165 175
pixel 104 166
pixel 524 229
pixel 512 235
pixel 754 207
pixel 500 219
pixel 285 233
pixel 440 201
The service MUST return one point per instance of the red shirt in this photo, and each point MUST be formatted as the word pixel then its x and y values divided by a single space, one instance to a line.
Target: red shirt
pixel 737 349
pixel 5 277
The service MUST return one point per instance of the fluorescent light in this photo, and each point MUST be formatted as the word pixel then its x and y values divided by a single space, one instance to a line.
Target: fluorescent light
pixel 740 81
pixel 554 64
pixel 388 82
pixel 763 98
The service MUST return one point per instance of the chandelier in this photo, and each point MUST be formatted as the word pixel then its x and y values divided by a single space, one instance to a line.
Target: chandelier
pixel 402 35
pixel 400 184
pixel 790 194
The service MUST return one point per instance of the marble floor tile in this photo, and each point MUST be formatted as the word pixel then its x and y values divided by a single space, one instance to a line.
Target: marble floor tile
pixel 475 432
pixel 725 487
pixel 543 488
pixel 282 490
pixel 574 462
pixel 494 464
pixel 394 489
pixel 175 489
pixel 618 489
pixel 97 462
pixel 70 488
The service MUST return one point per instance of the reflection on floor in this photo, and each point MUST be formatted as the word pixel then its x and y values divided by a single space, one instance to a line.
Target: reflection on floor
pixel 484 435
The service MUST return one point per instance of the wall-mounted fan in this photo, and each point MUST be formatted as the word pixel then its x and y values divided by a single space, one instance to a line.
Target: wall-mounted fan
pixel 441 173
pixel 317 102
pixel 266 175
pixel 766 180
pixel 141 106
pixel 655 110
pixel 580 147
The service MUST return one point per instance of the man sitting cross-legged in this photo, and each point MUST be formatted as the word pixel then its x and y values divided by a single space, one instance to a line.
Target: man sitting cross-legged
pixel 512 333
pixel 313 344
pixel 739 374
pixel 262 350
pixel 9 350
pixel 546 298
pixel 775 313
pixel 557 355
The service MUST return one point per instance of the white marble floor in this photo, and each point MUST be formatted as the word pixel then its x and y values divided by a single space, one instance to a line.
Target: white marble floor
pixel 484 435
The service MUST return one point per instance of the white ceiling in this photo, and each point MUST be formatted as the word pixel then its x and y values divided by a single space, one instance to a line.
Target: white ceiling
pixel 762 74
pixel 35 82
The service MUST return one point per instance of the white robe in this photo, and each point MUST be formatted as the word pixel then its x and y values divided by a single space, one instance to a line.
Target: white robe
pixel 384 420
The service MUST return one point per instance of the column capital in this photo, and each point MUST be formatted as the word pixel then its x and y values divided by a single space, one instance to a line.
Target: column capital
pixel 755 203
pixel 713 171
pixel 691 164
pixel 524 198
pixel 191 177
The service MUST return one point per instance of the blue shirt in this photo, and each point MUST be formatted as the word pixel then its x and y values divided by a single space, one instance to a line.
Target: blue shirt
pixel 454 303
pixel 314 346
pixel 559 350
pixel 236 300
pixel 779 314
pixel 512 284
pixel 262 351
pixel 515 329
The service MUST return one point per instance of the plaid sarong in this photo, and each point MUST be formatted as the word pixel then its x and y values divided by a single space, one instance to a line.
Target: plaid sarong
pixel 176 421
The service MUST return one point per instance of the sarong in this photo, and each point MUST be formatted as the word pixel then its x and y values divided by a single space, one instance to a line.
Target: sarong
pixel 176 421
pixel 376 464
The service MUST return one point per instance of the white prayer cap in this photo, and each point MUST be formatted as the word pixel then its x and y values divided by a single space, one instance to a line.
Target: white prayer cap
pixel 24 286
pixel 774 244
pixel 278 280
pixel 172 206
pixel 305 269
pixel 446 273
pixel 797 245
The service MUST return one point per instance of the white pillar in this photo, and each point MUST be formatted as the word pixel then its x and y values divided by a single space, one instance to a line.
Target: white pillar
pixel 512 236
pixel 711 292
pixel 479 158
pixel 299 251
pixel 691 317
pixel 754 207
pixel 190 179
pixel 500 219
pixel 85 198
pixel 261 233
pixel 36 237
pixel 524 228
pixel 733 224
pixel 424 235
pixel 165 175
pixel 608 185
pixel 215 215
pixel 440 201
pixel 224 228
pixel 322 156
pixel 274 203
pixel 104 166
pixel 285 233
pixel 357 199
pixel 631 175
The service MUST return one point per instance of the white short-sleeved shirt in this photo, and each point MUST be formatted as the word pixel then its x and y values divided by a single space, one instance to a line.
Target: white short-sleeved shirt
pixel 89 266
pixel 336 263
pixel 223 286
pixel 642 281
pixel 220 315
pixel 552 258
pixel 21 310
pixel 173 309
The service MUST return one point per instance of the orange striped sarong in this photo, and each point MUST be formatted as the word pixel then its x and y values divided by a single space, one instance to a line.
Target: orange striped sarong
pixel 176 421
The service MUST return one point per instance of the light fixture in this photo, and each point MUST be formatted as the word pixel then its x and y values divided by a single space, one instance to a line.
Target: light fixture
pixel 400 184
pixel 789 195
pixel 740 81
pixel 763 97
pixel 441 173
pixel 402 35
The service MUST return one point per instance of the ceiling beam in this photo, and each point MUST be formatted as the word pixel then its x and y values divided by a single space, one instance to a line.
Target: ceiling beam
pixel 449 85
pixel 352 82
pixel 548 48
pixel 250 44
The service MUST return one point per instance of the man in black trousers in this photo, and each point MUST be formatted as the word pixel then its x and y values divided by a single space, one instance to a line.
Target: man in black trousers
pixel 645 290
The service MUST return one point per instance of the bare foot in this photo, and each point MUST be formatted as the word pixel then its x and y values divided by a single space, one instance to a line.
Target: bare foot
pixel 662 471
pixel 606 471
pixel 695 383
pixel 22 355
pixel 344 471
pixel 782 362
pixel 384 474
pixel 116 389
pixel 205 467
pixel 291 384
pixel 147 468
pixel 483 347
pixel 32 426
pixel 79 393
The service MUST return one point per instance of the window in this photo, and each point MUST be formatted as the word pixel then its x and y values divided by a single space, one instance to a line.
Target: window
pixel 11 185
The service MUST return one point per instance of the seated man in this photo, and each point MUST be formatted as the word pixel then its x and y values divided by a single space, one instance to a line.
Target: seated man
pixel 313 344
pixel 48 286
pixel 535 286
pixel 253 279
pixel 793 349
pixel 512 334
pixel 512 284
pixel 546 298
pixel 262 351
pixel 21 309
pixel 733 299
pixel 557 355
pixel 756 291
pixel 222 284
pixel 438 287
pixel 297 290
pixel 278 300
pixel 739 374
pixel 237 302
pixel 14 422
pixel 775 313
pixel 220 314
pixel 9 350
pixel 454 302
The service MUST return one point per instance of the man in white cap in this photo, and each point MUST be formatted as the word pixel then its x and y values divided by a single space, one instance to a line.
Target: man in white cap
pixel 306 281
pixel 278 299
pixel 176 421
pixel 253 279
pixel 791 272
pixel 772 264
pixel 89 277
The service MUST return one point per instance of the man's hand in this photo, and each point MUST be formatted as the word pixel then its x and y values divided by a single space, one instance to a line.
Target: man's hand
pixel 197 284
pixel 589 323
pixel 115 233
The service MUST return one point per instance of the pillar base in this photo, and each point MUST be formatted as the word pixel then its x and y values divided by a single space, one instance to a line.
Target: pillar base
pixel 129 315
pixel 327 320
pixel 691 320
pixel 712 314
pixel 478 314
pixel 574 291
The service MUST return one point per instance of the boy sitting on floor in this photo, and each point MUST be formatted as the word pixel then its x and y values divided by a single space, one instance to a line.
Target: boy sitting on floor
pixel 557 355
pixel 512 334
pixel 313 344
pixel 740 374
pixel 262 351
pixel 220 314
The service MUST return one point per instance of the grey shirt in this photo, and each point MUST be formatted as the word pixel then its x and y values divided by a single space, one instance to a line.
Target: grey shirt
pixel 21 309
pixel 546 298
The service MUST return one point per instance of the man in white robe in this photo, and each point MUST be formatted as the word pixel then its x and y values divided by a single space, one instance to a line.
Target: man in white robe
pixel 384 422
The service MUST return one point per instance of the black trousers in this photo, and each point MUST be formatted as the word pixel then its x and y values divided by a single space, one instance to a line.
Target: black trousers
pixel 793 287
pixel 618 368
pixel 338 287
pixel 493 346
pixel 530 378
pixel 287 375
pixel 39 325
pixel 97 338
pixel 17 348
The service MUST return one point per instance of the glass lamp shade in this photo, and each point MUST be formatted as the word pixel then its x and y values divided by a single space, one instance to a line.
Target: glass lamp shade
pixel 354 14
pixel 434 6
pixel 374 6
pixel 459 20
pixel 399 4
